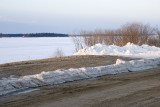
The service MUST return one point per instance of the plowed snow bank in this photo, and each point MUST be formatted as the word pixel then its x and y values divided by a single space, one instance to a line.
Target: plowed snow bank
pixel 8 85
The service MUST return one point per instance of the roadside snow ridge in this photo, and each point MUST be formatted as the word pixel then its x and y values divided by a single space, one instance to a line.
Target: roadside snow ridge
pixel 8 85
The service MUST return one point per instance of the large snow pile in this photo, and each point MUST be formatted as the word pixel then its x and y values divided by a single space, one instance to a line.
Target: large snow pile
pixel 129 50
pixel 8 85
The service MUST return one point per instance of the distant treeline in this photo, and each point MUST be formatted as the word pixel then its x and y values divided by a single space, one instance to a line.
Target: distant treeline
pixel 34 35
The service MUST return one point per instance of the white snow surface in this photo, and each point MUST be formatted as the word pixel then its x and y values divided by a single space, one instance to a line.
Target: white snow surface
pixel 8 85
pixel 31 48
pixel 129 50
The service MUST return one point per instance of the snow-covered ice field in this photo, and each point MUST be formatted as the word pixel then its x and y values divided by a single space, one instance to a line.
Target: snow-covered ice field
pixel 22 49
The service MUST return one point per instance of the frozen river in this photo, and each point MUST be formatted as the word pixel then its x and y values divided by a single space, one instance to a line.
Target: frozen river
pixel 22 49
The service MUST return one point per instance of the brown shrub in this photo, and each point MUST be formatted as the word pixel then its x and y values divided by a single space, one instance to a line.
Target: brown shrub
pixel 155 40
pixel 136 33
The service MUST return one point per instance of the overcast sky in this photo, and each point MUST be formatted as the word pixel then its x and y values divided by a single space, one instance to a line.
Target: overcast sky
pixel 68 16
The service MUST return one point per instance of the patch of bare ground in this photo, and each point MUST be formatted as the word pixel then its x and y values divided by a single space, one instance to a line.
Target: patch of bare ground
pixel 51 64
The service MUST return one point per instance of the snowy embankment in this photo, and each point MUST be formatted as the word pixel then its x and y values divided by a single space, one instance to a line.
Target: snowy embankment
pixel 151 55
pixel 8 85
pixel 129 50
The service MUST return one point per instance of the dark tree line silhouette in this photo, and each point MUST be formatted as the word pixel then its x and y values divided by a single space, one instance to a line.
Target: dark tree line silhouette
pixel 34 35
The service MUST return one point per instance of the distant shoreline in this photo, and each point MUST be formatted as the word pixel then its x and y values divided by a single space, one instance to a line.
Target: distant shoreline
pixel 35 35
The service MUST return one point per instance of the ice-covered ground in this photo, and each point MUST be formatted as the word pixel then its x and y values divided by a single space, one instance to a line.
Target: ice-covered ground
pixel 26 91
pixel 22 49
pixel 129 50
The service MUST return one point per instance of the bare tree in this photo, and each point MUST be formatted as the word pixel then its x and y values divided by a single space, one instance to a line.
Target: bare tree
pixel 158 32
pixel 136 33
pixel 78 42
pixel 58 53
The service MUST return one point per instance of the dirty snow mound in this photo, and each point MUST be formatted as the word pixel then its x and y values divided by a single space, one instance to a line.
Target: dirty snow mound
pixel 8 85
